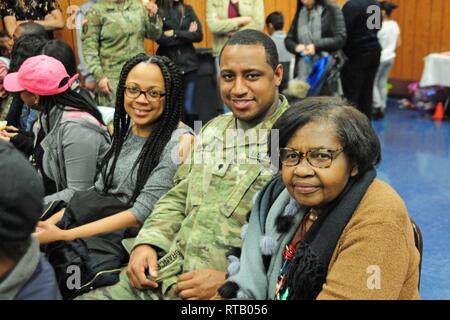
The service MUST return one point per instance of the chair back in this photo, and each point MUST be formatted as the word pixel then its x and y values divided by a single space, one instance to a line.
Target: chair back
pixel 418 239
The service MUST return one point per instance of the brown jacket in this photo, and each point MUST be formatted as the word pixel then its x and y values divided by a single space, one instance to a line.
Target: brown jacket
pixel 377 241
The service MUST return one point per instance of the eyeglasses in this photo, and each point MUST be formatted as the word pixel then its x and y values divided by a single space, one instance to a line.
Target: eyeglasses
pixel 152 95
pixel 318 158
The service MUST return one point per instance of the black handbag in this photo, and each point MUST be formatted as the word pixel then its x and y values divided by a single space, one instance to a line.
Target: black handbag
pixel 52 208
pixel 96 261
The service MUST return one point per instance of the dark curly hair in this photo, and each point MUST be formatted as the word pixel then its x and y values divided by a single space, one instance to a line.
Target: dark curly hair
pixel 25 47
pixel 353 129
pixel 151 152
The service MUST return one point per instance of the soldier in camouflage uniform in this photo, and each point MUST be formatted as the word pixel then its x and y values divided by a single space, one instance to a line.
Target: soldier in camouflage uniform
pixel 113 33
pixel 194 225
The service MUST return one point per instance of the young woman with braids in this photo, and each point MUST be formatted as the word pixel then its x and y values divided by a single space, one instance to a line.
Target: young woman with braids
pixel 70 139
pixel 139 167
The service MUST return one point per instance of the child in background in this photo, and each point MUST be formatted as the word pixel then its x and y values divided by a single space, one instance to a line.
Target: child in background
pixel 275 24
pixel 389 38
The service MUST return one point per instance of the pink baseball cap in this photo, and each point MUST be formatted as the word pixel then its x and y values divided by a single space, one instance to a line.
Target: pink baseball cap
pixel 40 75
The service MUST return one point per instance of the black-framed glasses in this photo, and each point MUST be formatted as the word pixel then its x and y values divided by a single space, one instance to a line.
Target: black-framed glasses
pixel 153 95
pixel 318 158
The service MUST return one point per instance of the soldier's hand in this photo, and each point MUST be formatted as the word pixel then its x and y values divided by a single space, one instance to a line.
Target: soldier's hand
pixel 143 260
pixel 90 85
pixel 152 8
pixel 105 86
pixel 200 284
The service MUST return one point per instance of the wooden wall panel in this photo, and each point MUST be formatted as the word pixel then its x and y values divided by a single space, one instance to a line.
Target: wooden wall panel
pixel 425 29
pixel 399 16
pixel 406 51
pixel 424 24
pixel 421 35
pixel 437 17
pixel 445 26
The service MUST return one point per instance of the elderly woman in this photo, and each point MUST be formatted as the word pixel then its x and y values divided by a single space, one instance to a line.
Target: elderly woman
pixel 326 228
pixel 318 28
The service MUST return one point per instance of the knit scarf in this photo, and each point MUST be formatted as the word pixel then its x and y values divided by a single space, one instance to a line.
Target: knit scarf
pixel 274 219
pixel 309 29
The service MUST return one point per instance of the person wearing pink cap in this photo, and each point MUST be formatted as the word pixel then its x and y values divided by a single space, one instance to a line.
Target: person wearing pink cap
pixel 71 139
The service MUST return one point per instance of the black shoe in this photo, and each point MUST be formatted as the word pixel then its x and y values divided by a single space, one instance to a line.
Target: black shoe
pixel 378 114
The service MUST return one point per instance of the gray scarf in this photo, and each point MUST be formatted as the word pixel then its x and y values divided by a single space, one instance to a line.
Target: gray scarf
pixel 253 279
pixel 309 29
pixel 21 273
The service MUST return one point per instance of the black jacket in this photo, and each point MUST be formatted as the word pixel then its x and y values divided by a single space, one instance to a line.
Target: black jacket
pixel 361 39
pixel 334 33
pixel 179 48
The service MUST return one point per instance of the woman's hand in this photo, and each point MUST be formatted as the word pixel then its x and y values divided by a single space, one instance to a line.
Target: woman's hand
pixel 169 33
pixel 105 86
pixel 6 136
pixel 300 48
pixel 310 50
pixel 152 8
pixel 48 232
pixel 12 129
pixel 49 17
pixel 193 27
pixel 54 219
pixel 243 21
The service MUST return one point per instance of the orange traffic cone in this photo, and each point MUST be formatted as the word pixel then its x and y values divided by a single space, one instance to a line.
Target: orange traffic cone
pixel 439 112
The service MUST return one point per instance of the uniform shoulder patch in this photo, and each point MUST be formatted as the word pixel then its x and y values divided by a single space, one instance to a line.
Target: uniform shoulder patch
pixel 85 27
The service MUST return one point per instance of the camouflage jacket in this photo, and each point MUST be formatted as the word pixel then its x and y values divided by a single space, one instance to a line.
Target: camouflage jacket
pixel 114 32
pixel 194 225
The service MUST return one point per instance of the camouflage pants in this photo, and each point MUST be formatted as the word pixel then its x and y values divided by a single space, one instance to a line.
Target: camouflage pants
pixel 123 290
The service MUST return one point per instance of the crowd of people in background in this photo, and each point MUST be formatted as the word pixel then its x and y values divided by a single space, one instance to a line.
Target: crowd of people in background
pixel 103 172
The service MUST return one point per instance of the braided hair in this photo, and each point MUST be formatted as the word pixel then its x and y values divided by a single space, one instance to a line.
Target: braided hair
pixel 150 154
pixel 71 99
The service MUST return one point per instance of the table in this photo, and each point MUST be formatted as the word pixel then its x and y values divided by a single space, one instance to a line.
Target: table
pixel 437 70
